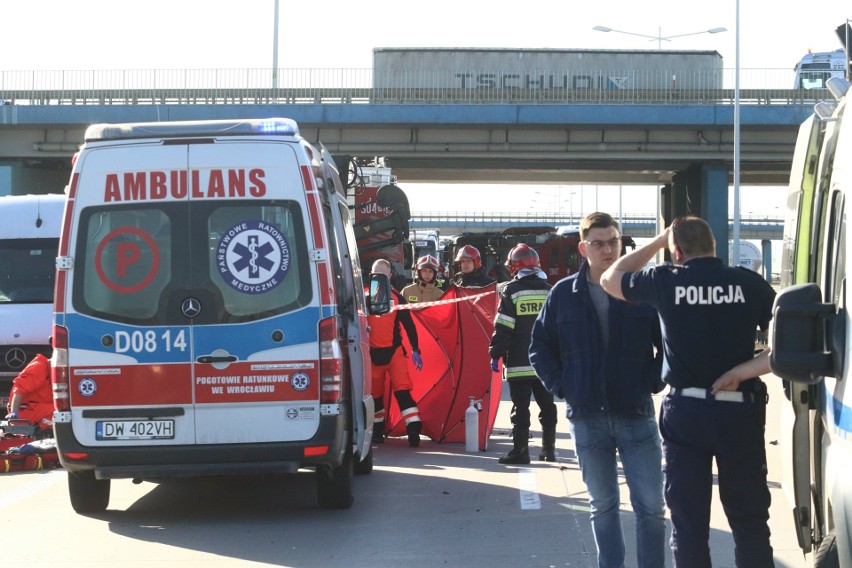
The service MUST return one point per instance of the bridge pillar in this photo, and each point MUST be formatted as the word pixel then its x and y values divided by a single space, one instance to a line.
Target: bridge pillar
pixel 766 250
pixel 701 190
pixel 714 204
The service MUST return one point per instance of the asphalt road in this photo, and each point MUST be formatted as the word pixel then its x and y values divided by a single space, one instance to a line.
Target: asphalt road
pixel 434 506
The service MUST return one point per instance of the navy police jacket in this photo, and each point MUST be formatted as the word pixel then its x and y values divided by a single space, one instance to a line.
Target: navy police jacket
pixel 711 313
pixel 569 358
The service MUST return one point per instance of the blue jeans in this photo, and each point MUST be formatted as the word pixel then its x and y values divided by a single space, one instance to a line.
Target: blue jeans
pixel 637 441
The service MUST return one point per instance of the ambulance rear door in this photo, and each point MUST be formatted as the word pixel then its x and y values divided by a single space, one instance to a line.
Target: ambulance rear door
pixel 255 332
pixel 129 350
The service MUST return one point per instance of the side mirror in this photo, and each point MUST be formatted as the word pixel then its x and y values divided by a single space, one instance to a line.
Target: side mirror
pixel 379 294
pixel 806 345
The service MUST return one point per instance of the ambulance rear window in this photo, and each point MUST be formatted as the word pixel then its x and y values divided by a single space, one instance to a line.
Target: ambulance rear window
pixel 241 261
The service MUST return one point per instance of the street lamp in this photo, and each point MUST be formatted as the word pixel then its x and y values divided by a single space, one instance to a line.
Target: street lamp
pixel 660 38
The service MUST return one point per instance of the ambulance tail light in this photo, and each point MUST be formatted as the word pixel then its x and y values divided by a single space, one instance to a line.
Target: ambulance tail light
pixel 330 361
pixel 59 375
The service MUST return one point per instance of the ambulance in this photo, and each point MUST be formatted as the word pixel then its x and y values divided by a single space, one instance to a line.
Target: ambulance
pixel 811 335
pixel 210 315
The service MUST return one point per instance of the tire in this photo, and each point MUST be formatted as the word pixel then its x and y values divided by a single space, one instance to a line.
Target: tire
pixel 826 555
pixel 88 495
pixel 335 484
pixel 365 466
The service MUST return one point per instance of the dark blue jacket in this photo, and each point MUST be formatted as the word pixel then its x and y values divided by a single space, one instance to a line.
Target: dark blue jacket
pixel 567 354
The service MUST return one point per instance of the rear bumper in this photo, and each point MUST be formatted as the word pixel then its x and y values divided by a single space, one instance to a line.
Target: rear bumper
pixel 158 462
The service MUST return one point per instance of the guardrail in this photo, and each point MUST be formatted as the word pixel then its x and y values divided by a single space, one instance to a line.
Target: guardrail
pixel 356 86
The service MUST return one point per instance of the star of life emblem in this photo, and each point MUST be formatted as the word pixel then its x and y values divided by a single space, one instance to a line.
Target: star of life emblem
pixel 253 257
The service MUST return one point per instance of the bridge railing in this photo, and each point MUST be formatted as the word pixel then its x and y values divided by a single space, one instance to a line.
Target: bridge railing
pixel 519 219
pixel 348 86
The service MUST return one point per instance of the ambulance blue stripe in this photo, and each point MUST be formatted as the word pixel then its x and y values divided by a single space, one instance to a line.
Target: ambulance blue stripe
pixel 247 338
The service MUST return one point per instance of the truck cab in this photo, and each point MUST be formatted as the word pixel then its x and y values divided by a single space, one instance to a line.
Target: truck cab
pixel 29 241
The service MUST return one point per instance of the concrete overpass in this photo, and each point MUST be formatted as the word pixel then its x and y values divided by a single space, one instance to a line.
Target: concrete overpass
pixel 681 141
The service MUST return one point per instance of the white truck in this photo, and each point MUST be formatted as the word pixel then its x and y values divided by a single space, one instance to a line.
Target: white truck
pixel 29 239
pixel 811 333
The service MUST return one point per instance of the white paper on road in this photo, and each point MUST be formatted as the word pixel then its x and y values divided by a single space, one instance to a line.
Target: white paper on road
pixel 39 483
pixel 529 489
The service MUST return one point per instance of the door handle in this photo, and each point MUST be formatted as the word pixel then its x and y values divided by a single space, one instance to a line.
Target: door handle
pixel 219 359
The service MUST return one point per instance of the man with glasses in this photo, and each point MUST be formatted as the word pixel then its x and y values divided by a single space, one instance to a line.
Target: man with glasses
pixel 604 358
pixel 710 313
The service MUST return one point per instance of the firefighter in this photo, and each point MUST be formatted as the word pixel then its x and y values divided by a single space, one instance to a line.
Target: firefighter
pixel 389 358
pixel 521 299
pixel 469 270
pixel 425 288
pixel 31 397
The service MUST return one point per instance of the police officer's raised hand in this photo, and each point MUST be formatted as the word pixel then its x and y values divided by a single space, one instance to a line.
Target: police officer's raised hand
pixel 418 361
pixel 495 365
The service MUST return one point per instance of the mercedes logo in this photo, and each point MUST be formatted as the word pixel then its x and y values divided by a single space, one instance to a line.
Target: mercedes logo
pixel 191 307
pixel 15 358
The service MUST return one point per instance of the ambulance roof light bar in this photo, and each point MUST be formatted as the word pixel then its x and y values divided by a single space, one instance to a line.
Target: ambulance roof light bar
pixel 268 126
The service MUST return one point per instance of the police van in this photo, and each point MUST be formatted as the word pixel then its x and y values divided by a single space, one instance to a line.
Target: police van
pixel 811 333
pixel 210 315
pixel 29 239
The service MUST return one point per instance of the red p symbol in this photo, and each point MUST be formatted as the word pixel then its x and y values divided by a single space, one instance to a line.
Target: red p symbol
pixel 126 254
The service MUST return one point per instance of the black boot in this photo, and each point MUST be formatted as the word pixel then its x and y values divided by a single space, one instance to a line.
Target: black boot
pixel 548 445
pixel 520 454
pixel 378 432
pixel 413 429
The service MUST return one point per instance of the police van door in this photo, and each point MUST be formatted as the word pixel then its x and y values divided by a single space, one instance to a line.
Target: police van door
pixel 250 305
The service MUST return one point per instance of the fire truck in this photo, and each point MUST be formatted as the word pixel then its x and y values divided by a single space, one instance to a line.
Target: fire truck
pixel 381 214
pixel 557 250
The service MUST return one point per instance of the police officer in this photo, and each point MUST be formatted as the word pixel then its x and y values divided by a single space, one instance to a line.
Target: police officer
pixel 710 313
pixel 469 270
pixel 425 288
pixel 521 300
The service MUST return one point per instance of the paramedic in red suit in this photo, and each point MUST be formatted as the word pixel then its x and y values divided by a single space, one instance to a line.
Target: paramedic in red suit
pixel 32 395
pixel 388 357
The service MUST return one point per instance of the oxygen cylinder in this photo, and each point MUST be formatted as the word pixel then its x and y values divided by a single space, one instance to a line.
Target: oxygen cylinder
pixel 471 427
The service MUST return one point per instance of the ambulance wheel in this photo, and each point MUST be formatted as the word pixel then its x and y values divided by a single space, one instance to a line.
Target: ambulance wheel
pixel 88 495
pixel 335 484
pixel 826 555
pixel 365 465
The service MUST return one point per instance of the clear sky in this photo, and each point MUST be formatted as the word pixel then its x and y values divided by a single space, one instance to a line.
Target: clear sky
pixel 110 34
pixel 196 34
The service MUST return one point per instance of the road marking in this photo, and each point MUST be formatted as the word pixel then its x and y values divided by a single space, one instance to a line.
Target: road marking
pixel 42 482
pixel 529 490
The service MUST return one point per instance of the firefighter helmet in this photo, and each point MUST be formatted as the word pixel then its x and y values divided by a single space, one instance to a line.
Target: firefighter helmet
pixel 520 257
pixel 427 261
pixel 472 253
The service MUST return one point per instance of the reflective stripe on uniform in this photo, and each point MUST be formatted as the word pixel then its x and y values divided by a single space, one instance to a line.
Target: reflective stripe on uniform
pixel 503 319
pixel 516 372
pixel 529 295
pixel 411 414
